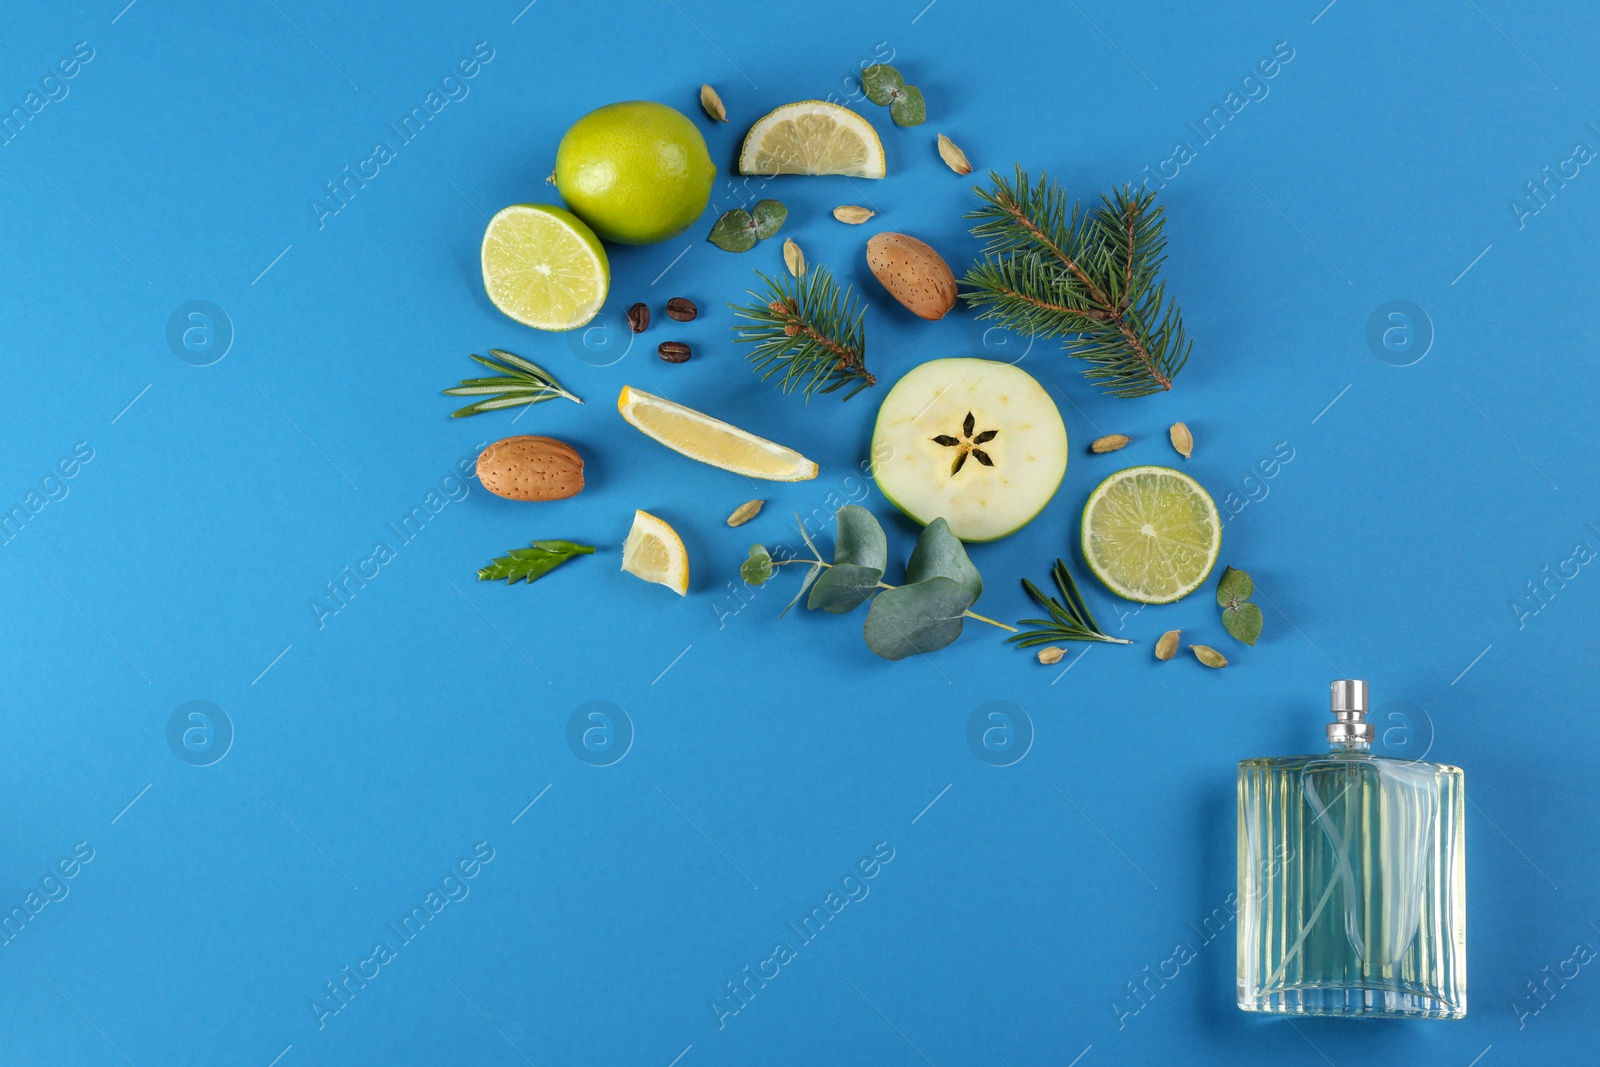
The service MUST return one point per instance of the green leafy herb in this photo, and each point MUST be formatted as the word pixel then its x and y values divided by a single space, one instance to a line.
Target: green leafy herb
pixel 1070 618
pixel 885 87
pixel 1240 617
pixel 739 230
pixel 1052 269
pixel 517 382
pixel 532 563
pixel 924 615
pixel 807 334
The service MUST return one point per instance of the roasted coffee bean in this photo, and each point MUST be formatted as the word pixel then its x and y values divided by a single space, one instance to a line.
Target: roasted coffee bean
pixel 639 318
pixel 681 309
pixel 673 351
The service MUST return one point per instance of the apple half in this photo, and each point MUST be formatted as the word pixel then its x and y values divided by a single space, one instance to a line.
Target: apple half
pixel 973 441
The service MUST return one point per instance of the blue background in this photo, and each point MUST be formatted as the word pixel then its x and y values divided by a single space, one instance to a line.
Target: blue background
pixel 373 752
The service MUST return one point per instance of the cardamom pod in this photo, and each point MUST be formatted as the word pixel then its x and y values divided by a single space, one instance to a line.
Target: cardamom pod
pixel 1209 656
pixel 1110 442
pixel 1182 439
pixel 953 157
pixel 1167 647
pixel 793 258
pixel 745 512
pixel 713 104
pixel 1051 655
pixel 852 214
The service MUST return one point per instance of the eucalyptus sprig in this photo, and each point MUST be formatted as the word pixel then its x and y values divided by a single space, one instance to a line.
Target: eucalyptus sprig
pixel 739 230
pixel 1070 618
pixel 885 87
pixel 518 382
pixel 1090 277
pixel 807 334
pixel 923 615
pixel 1240 617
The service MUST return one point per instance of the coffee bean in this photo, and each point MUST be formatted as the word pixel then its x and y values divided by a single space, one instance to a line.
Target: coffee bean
pixel 682 309
pixel 673 351
pixel 639 318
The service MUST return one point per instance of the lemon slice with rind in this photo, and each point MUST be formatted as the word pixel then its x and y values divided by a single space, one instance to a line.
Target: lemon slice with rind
pixel 712 441
pixel 544 267
pixel 655 552
pixel 1151 534
pixel 812 137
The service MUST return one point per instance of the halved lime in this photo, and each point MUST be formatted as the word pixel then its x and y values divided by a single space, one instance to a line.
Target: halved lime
pixel 1151 534
pixel 544 267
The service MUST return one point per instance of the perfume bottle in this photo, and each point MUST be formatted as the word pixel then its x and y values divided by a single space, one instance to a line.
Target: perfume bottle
pixel 1352 896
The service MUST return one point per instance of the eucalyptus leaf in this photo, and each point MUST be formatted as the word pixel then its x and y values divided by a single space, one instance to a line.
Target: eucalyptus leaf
pixel 1235 585
pixel 735 231
pixel 805 583
pixel 881 82
pixel 844 588
pixel 758 568
pixel 909 109
pixel 1243 622
pixel 768 215
pixel 860 539
pixel 940 553
pixel 922 617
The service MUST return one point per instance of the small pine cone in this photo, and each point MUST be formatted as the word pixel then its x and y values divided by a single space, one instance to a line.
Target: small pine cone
pixel 791 329
pixel 777 307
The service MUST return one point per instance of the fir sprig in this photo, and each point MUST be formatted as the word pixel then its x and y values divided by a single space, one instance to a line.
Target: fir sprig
pixel 518 382
pixel 1070 618
pixel 807 334
pixel 1052 268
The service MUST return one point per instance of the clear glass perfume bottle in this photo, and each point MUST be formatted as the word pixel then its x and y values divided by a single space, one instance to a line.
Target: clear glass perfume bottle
pixel 1352 890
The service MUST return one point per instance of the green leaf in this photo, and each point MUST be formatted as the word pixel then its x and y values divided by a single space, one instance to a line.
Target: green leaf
pixel 811 576
pixel 860 539
pixel 940 553
pixel 735 231
pixel 758 568
pixel 768 216
pixel 844 588
pixel 922 617
pixel 881 83
pixel 909 109
pixel 529 564
pixel 1235 586
pixel 1243 622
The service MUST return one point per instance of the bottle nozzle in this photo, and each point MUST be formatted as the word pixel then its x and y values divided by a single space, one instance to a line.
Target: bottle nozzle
pixel 1347 697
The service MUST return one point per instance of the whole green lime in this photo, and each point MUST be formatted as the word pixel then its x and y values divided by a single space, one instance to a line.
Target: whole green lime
pixel 637 172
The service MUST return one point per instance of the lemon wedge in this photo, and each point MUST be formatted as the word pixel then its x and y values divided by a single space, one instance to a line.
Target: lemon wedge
pixel 712 441
pixel 655 552
pixel 544 267
pixel 812 137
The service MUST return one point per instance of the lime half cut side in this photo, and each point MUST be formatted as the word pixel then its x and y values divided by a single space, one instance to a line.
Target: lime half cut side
pixel 544 267
pixel 1151 534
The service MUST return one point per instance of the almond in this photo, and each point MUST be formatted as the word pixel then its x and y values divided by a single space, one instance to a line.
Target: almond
pixel 531 468
pixel 913 273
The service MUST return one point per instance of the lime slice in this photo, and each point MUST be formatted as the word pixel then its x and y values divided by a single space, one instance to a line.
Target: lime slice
pixel 709 440
pixel 544 267
pixel 1151 534
pixel 655 552
pixel 812 137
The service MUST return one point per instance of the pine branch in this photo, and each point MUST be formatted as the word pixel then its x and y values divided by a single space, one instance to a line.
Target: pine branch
pixel 1053 269
pixel 807 334
pixel 518 382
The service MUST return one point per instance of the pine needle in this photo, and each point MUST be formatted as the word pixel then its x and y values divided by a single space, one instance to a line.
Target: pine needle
pixel 1053 269
pixel 807 334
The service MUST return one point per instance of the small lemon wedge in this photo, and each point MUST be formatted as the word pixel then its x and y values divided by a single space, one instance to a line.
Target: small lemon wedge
pixel 712 441
pixel 812 137
pixel 655 552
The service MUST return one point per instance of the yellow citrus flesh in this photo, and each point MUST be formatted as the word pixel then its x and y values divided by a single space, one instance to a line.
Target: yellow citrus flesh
pixel 655 552
pixel 544 267
pixel 1151 534
pixel 812 137
pixel 710 440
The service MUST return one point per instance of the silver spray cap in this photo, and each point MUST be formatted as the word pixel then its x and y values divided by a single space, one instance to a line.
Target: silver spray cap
pixel 1347 697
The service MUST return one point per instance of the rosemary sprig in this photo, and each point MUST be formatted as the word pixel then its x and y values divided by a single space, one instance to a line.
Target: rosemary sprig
pixel 807 334
pixel 1070 618
pixel 518 382
pixel 1091 277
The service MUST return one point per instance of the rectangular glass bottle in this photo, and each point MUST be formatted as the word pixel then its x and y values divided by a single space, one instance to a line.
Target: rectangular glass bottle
pixel 1352 880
